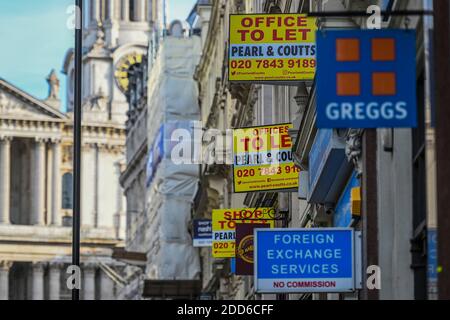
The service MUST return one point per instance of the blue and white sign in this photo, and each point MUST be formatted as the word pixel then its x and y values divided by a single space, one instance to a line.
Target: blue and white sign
pixel 432 273
pixel 366 79
pixel 163 145
pixel 155 156
pixel 203 233
pixel 304 260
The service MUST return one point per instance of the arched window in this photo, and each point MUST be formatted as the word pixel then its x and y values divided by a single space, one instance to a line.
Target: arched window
pixel 67 191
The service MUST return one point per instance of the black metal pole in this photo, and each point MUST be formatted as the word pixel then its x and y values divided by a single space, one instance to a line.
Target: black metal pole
pixel 77 142
pixel 442 116
pixel 345 14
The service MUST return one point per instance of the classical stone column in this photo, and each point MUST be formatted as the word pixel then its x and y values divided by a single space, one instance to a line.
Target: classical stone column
pixel 106 287
pixel 115 10
pixel 95 14
pixel 96 184
pixel 55 280
pixel 38 280
pixel 141 12
pixel 5 179
pixel 89 281
pixel 56 205
pixel 49 183
pixel 4 279
pixel 119 201
pixel 38 183
pixel 111 10
pixel 126 10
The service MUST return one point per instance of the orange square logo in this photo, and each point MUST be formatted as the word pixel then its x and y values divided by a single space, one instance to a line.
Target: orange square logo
pixel 347 50
pixel 384 84
pixel 348 84
pixel 383 49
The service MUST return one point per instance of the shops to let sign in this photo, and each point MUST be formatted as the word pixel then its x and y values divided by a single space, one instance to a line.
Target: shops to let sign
pixel 366 79
pixel 224 227
pixel 272 47
pixel 263 159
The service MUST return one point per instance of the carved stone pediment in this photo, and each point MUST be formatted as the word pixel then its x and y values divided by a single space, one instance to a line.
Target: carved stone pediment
pixel 17 104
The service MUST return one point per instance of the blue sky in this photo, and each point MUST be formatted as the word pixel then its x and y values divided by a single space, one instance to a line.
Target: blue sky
pixel 34 39
pixel 179 9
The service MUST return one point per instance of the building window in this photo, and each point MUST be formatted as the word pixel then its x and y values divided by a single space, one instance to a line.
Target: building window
pixel 67 191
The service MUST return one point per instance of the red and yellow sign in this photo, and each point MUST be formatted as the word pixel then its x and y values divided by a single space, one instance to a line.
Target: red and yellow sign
pixel 272 47
pixel 263 159
pixel 224 223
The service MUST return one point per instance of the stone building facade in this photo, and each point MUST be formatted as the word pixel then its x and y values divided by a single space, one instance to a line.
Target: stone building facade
pixel 36 141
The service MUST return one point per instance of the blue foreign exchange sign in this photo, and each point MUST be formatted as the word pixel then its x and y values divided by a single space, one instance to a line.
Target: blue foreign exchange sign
pixel 304 260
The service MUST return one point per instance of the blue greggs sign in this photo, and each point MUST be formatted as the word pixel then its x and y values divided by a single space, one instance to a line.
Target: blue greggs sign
pixel 304 260
pixel 366 79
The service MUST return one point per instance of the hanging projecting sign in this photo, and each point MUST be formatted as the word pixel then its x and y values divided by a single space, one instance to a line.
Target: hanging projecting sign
pixel 263 159
pixel 304 260
pixel 272 47
pixel 366 79
pixel 224 227
pixel 202 233
pixel 245 248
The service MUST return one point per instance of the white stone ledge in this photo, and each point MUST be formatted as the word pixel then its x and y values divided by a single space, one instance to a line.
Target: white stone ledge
pixel 44 234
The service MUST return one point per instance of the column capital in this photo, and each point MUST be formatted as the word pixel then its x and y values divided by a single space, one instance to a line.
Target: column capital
pixel 41 140
pixel 5 138
pixel 5 265
pixel 55 141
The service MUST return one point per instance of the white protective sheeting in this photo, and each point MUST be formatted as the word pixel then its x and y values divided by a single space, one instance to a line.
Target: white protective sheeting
pixel 173 102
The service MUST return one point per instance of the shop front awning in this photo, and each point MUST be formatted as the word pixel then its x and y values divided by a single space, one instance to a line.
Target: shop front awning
pixel 132 258
pixel 172 289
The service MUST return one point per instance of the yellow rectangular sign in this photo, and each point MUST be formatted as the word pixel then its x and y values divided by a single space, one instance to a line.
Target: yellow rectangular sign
pixel 224 227
pixel 263 159
pixel 272 47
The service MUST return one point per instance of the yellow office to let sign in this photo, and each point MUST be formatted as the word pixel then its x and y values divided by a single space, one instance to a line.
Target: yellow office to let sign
pixel 224 227
pixel 272 47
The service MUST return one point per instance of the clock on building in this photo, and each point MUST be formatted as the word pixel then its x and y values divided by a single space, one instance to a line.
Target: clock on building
pixel 123 67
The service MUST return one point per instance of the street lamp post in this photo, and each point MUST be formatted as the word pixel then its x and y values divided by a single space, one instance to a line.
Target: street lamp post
pixel 77 142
